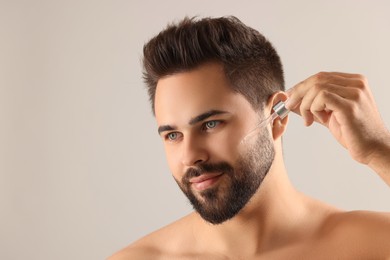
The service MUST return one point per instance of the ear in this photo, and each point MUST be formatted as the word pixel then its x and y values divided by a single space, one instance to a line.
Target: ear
pixel 278 125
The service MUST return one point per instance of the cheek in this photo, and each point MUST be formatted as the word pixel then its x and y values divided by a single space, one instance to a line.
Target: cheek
pixel 224 146
pixel 232 136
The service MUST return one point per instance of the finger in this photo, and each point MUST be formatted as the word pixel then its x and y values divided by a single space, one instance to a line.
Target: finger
pixel 322 117
pixel 348 75
pixel 307 100
pixel 327 103
pixel 296 93
pixel 305 106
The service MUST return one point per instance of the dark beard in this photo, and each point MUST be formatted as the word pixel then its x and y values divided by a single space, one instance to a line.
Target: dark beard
pixel 223 202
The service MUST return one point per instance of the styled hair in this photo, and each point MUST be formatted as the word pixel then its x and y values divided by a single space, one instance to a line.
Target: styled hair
pixel 250 62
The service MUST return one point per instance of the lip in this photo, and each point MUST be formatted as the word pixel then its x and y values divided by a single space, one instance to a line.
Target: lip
pixel 205 181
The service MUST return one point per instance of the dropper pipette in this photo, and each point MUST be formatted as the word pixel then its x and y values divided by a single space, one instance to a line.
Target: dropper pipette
pixel 280 111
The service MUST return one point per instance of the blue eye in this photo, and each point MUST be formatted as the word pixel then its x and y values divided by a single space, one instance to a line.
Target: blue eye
pixel 172 136
pixel 211 124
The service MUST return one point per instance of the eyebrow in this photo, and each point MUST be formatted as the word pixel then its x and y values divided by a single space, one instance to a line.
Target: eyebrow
pixel 192 121
pixel 164 128
pixel 205 115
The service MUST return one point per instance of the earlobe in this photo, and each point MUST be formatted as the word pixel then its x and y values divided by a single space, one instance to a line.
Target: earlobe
pixel 279 127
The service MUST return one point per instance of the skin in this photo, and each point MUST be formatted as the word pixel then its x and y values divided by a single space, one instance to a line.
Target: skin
pixel 344 104
pixel 278 222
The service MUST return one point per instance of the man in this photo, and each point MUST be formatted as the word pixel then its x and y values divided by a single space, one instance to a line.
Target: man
pixel 211 81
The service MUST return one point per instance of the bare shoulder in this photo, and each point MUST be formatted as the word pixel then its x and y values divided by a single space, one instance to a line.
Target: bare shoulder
pixel 159 244
pixel 136 252
pixel 362 232
pixel 361 221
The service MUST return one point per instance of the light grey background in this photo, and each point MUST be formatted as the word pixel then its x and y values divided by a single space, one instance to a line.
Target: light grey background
pixel 82 169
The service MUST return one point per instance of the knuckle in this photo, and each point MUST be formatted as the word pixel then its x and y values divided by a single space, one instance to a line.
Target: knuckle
pixel 325 95
pixel 322 75
pixel 360 76
pixel 362 81
pixel 317 87
pixel 357 94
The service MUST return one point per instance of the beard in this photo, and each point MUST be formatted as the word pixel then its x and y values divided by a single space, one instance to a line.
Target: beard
pixel 239 183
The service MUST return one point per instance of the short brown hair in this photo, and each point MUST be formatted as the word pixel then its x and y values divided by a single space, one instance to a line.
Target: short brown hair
pixel 250 62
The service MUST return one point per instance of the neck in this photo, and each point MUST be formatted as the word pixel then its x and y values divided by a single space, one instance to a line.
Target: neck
pixel 271 218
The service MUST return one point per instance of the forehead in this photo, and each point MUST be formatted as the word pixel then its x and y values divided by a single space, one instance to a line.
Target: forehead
pixel 181 96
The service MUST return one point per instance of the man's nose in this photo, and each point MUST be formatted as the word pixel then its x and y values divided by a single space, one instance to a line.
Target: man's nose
pixel 194 152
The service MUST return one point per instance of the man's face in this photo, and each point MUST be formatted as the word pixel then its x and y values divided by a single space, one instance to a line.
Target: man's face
pixel 202 122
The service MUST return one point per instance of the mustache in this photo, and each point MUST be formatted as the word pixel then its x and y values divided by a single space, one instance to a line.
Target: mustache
pixel 206 167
